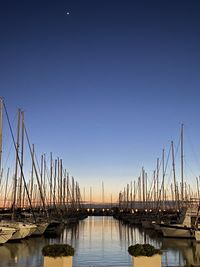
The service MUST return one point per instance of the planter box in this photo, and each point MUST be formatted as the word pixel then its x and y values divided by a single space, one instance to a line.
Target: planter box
pixel 58 261
pixel 143 261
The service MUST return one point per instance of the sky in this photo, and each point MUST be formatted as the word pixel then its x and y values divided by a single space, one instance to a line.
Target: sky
pixel 105 85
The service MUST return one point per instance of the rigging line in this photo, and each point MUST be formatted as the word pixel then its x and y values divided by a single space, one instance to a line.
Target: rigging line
pixel 21 168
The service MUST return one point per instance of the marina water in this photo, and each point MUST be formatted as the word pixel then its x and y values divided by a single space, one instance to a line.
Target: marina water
pixel 101 241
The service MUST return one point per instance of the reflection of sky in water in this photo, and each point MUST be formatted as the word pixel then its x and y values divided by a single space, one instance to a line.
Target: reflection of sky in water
pixel 101 241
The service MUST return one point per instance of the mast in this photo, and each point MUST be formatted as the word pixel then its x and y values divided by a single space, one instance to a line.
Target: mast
pixel 157 179
pixel 41 173
pixel 54 186
pixel 154 188
pixel 1 130
pixel 22 161
pixel 127 197
pixel 44 180
pixel 61 183
pixel 51 175
pixel 58 182
pixel 134 195
pixel 182 183
pixel 64 189
pixel 5 196
pixel 131 195
pixel 163 173
pixel 146 188
pixel 67 191
pixel 73 194
pixel 143 187
pixel 174 174
pixel 198 188
pixel 16 165
pixel 139 190
pixel 31 186
pixel 18 159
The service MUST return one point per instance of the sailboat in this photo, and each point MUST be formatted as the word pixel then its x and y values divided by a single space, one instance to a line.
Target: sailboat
pixel 22 229
pixel 185 229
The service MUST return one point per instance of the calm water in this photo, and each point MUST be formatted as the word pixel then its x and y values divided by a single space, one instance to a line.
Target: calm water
pixel 100 241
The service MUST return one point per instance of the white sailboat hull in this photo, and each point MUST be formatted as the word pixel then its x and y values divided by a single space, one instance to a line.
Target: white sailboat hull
pixel 176 231
pixel 22 230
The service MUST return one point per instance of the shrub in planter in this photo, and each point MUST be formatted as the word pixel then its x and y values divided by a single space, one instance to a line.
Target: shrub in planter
pixel 58 255
pixel 58 250
pixel 143 250
pixel 145 255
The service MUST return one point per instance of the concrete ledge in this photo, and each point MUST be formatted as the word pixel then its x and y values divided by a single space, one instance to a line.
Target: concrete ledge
pixel 144 261
pixel 58 261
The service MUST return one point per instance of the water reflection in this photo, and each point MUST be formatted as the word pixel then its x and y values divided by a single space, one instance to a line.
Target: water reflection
pixel 101 241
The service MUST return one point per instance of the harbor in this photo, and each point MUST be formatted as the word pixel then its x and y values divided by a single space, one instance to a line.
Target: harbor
pixel 50 208
pixel 101 241
pixel 99 133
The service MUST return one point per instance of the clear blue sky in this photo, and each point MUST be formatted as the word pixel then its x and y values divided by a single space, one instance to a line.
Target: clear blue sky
pixel 105 87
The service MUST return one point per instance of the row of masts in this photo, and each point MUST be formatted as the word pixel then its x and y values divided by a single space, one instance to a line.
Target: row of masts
pixel 154 193
pixel 49 186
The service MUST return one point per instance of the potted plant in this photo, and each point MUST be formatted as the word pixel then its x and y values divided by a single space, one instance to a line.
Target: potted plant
pixel 58 255
pixel 145 255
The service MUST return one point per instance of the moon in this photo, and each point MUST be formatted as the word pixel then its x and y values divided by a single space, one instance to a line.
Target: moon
pixel 67 12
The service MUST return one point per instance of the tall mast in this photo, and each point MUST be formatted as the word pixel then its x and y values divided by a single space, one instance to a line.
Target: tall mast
pixel 146 187
pixel 127 197
pixel 22 161
pixel 44 180
pixel 51 175
pixel 154 188
pixel 16 165
pixel 61 183
pixel 134 196
pixel 143 186
pixel 41 174
pixel 58 182
pixel 163 173
pixel 157 179
pixel 174 174
pixel 67 191
pixel 5 196
pixel 139 190
pixel 1 130
pixel 31 185
pixel 73 194
pixel 182 197
pixel 64 188
pixel 131 195
pixel 54 186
